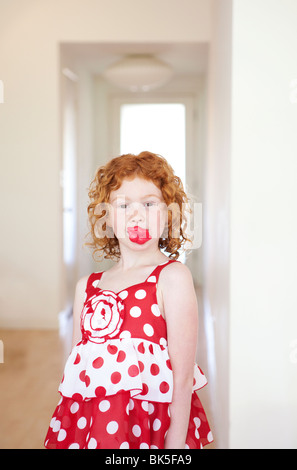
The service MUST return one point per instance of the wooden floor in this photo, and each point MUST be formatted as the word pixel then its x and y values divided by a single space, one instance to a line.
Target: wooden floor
pixel 29 378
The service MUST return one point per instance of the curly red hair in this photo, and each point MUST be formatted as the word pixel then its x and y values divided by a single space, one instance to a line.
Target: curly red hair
pixel 151 167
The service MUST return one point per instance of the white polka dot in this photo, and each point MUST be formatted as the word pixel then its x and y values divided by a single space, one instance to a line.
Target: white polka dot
pixel 82 422
pixel 197 422
pixel 131 404
pixel 144 445
pixel 74 407
pixel 140 294
pixel 156 424
pixel 57 425
pixel 163 342
pixel 154 447
pixel 124 445
pixel 209 436
pixel 148 329
pixel 136 430
pixel 187 447
pixel 197 434
pixel 152 279
pixel 52 422
pixel 104 405
pixel 92 444
pixel 151 408
pixel 74 446
pixel 123 294
pixel 112 427
pixel 62 435
pixel 155 310
pixel 125 334
pixel 144 405
pixel 135 312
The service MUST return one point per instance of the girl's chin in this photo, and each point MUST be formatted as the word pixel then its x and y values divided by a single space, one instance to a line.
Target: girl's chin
pixel 139 241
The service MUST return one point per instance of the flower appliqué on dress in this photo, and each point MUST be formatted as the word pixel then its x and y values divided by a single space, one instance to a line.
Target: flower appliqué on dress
pixel 102 317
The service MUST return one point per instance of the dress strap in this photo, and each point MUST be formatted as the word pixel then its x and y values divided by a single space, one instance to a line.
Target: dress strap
pixel 156 272
pixel 93 279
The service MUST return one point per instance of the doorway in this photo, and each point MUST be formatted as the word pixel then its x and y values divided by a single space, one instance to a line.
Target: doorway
pixel 157 127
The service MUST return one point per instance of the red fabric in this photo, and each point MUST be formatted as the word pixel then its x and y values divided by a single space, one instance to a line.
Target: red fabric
pixel 120 422
pixel 118 383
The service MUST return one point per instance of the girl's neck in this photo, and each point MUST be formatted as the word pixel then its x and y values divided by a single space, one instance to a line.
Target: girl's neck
pixel 127 261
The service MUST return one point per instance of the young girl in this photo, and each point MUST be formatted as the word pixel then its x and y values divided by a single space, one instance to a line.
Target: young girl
pixel 131 377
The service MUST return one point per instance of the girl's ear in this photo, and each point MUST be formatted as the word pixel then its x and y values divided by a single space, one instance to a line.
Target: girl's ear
pixel 103 226
pixel 165 232
pixel 108 222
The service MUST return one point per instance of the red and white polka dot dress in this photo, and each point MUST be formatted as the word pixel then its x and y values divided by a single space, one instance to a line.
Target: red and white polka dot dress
pixel 118 383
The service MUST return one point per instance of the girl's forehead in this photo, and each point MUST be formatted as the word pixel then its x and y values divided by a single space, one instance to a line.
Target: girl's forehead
pixel 137 186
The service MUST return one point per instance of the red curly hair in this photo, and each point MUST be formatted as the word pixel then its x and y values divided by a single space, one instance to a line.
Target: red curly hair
pixel 151 167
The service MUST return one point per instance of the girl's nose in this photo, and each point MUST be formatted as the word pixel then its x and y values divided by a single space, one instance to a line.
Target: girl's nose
pixel 137 215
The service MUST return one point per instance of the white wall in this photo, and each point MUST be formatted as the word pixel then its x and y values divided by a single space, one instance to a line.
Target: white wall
pixel 216 210
pixel 251 223
pixel 263 300
pixel 30 143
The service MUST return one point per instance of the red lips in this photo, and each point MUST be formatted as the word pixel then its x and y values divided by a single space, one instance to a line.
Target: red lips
pixel 138 234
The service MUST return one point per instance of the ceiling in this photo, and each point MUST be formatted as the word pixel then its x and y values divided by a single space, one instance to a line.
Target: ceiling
pixel 185 58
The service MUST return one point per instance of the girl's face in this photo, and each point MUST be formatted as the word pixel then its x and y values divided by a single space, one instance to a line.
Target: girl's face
pixel 138 212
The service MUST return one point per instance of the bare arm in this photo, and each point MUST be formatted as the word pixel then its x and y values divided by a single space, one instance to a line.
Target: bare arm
pixel 77 309
pixel 181 312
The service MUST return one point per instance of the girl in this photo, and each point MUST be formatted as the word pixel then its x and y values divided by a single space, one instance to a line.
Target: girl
pixel 131 377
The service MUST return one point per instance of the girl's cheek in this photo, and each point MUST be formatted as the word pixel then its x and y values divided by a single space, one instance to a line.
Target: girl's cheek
pixel 157 223
pixel 118 220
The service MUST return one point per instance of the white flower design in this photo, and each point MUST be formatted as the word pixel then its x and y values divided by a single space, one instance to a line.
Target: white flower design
pixel 102 317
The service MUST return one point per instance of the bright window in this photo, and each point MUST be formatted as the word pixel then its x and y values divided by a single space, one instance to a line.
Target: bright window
pixel 157 127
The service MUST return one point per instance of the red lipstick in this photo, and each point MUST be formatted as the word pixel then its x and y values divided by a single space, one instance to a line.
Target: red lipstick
pixel 138 235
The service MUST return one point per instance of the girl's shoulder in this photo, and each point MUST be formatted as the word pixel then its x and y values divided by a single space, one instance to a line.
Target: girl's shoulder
pixel 82 282
pixel 81 285
pixel 175 274
pixel 178 293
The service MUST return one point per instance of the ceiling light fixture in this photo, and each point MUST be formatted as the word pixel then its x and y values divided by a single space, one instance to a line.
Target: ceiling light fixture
pixel 138 73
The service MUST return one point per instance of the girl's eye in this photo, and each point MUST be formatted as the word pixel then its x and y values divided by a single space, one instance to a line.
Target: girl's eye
pixel 150 204
pixel 146 204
